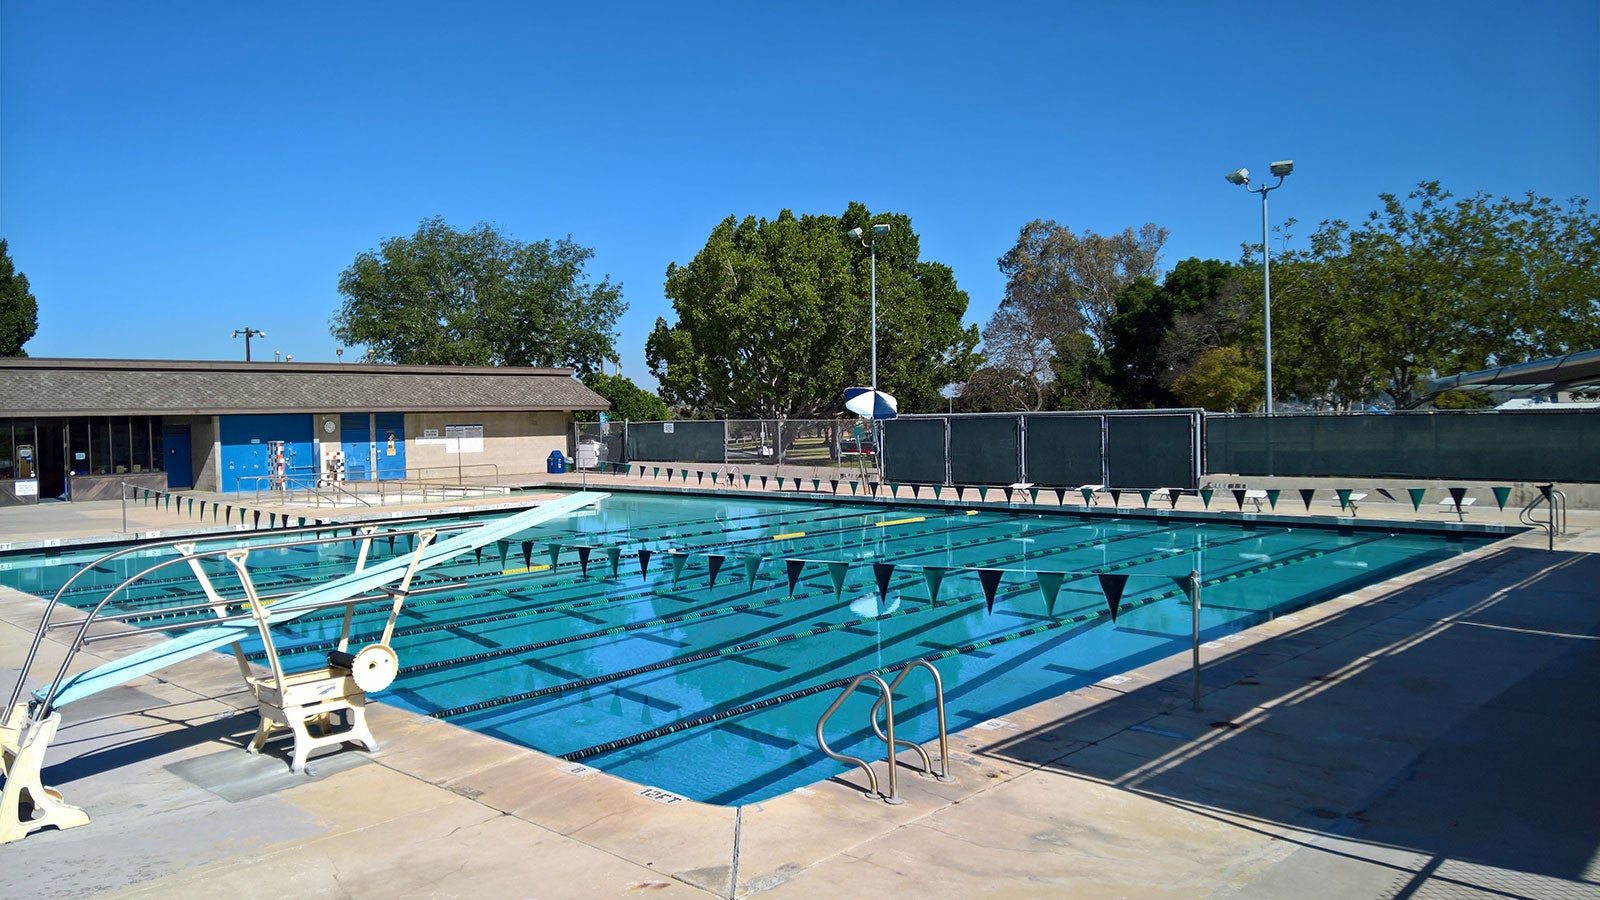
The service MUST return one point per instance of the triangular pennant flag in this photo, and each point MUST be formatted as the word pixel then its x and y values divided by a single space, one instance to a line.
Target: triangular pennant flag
pixel 1306 495
pixel 1088 495
pixel 257 524
pixel 853 485
pixel 791 569
pixel 933 576
pixel 191 506
pixel 614 556
pixel 1033 495
pixel 167 499
pixel 679 558
pixel 936 489
pixel 655 472
pixel 1456 496
pixel 894 490
pixel 627 468
pixel 1008 494
pixel 1172 497
pixel 1344 497
pixel 1185 583
pixel 1272 497
pixel 1049 586
pixel 527 555
pixel 552 549
pixel 883 572
pixel 700 476
pixel 1144 495
pixel 780 482
pixel 505 548
pixel 983 494
pixel 747 479
pixel 990 580
pixel 583 560
pixel 1116 496
pixel 1416 495
pixel 752 565
pixel 202 509
pixel 477 555
pixel 390 537
pixel 763 482
pixel 873 486
pixel 713 478
pixel 714 563
pixel 1061 496
pixel 644 563
pixel 916 489
pixel 641 472
pixel 1205 496
pixel 959 492
pixel 227 515
pixel 837 570
pixel 145 497
pixel 1112 585
pixel 835 483
pixel 1501 495
pixel 1386 493
pixel 685 474
pixel 816 484
pixel 1238 497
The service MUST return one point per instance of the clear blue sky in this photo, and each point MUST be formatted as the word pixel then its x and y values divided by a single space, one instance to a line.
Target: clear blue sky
pixel 172 171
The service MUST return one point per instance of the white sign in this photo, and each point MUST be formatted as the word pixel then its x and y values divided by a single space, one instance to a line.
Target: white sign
pixel 666 428
pixel 429 434
pixel 27 488
pixel 463 438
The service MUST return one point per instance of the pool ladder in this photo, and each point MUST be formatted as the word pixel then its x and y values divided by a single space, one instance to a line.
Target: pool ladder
pixel 1556 523
pixel 885 732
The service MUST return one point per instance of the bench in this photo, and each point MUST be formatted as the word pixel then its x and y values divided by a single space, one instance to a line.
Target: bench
pixel 1355 498
pixel 1448 504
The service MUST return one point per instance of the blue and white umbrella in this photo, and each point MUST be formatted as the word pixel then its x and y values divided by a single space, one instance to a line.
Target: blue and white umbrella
pixel 870 404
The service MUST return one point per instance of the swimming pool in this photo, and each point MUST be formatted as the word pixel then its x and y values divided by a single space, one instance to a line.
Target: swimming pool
pixel 691 643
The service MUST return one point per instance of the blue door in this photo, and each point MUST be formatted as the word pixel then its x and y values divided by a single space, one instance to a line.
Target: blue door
pixel 389 444
pixel 179 463
pixel 355 436
pixel 244 449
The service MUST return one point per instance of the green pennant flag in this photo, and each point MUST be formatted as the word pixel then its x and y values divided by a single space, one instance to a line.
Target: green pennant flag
pixel 936 489
pixel 1088 495
pixel 714 564
pixel 679 558
pixel 883 572
pixel 1205 496
pixel 1501 495
pixel 1145 496
pixel 894 490
pixel 1049 586
pixel 685 474
pixel 713 478
pixel 791 569
pixel 191 505
pixel 1272 497
pixel 553 549
pixel 816 484
pixel 752 565
pixel 627 469
pixel 1416 495
pixel 852 488
pixel 1344 497
pixel 780 482
pixel 505 549
pixel 1033 495
pixel 145 499
pixel 168 499
pixel 583 560
pixel 983 494
pixel 614 556
pixel 644 563
pixel 837 570
pixel 1112 585
pixel 933 576
pixel 747 479
pixel 990 580
pixel 1306 495
pixel 655 472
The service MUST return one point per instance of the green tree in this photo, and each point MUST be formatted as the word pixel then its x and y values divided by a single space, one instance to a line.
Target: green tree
pixel 773 319
pixel 1433 284
pixel 1222 379
pixel 19 311
pixel 478 298
pixel 1160 331
pixel 628 401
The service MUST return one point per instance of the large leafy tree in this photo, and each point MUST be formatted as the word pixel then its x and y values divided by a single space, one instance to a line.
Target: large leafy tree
pixel 773 319
pixel 628 401
pixel 19 311
pixel 478 297
pixel 1160 331
pixel 1431 284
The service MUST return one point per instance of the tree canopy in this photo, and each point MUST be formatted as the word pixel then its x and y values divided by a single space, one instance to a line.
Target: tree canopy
pixel 628 401
pixel 773 319
pixel 478 298
pixel 19 311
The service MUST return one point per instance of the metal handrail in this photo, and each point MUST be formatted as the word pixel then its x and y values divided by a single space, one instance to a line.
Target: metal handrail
pixel 893 797
pixel 938 699
pixel 1556 524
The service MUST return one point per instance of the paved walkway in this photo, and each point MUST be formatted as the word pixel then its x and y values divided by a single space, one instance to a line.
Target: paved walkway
pixel 1429 737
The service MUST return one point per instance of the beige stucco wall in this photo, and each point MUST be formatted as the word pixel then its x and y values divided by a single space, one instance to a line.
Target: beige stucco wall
pixel 517 443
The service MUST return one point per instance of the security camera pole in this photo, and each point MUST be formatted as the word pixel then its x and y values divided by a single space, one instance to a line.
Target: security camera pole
pixel 248 334
pixel 1281 168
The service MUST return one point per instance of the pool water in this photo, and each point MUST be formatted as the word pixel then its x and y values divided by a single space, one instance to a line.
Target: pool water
pixel 712 689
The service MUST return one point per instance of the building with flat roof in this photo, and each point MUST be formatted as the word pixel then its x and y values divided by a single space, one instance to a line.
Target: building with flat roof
pixel 82 428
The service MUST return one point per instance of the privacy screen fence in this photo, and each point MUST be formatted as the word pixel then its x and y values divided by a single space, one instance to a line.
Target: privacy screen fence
pixel 1490 445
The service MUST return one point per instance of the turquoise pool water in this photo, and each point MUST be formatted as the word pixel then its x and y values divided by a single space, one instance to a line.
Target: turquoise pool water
pixel 712 690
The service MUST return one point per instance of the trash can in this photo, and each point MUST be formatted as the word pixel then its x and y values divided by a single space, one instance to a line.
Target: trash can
pixel 556 464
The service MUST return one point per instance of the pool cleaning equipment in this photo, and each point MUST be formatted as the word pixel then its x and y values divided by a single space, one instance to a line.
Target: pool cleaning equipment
pixel 300 701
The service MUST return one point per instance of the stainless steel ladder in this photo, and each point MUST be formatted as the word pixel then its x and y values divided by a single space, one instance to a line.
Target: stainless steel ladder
pixel 1556 523
pixel 885 732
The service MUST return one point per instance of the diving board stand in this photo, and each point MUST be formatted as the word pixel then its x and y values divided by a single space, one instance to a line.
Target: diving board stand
pixel 298 702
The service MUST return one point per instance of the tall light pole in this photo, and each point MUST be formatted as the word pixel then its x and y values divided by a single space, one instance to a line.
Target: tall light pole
pixel 248 334
pixel 1281 168
pixel 878 231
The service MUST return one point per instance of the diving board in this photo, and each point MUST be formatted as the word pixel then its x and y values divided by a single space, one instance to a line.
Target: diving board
pixel 193 643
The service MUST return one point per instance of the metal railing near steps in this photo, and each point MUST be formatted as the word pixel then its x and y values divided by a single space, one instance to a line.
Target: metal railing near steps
pixel 886 732
pixel 1556 522
pixel 312 491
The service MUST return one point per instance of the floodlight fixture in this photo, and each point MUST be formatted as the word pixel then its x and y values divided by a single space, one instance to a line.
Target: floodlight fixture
pixel 1239 176
pixel 881 228
pixel 248 334
pixel 854 233
pixel 1282 167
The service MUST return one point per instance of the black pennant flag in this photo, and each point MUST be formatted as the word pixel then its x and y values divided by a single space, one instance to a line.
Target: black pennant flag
pixel 1116 496
pixel 1456 496
pixel 958 493
pixel 791 568
pixel 1112 585
pixel 1061 496
pixel 1172 497
pixel 883 572
pixel 1306 496
pixel 835 483
pixel 1049 586
pixel 699 476
pixel 583 560
pixel 1185 583
pixel 990 579
pixel 914 492
pixel 934 576
pixel 644 563
pixel 1008 494
pixel 527 554
pixel 763 482
pixel 714 563
pixel 477 555
pixel 1238 497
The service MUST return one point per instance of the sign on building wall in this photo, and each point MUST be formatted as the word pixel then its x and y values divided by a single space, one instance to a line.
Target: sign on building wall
pixel 463 438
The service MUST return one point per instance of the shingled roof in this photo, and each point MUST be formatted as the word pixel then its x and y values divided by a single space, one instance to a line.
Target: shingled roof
pixel 99 387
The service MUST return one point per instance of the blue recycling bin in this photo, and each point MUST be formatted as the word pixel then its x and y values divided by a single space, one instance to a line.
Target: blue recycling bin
pixel 556 464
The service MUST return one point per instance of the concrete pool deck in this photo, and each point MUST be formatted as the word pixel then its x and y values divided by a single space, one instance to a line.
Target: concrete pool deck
pixel 1431 736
